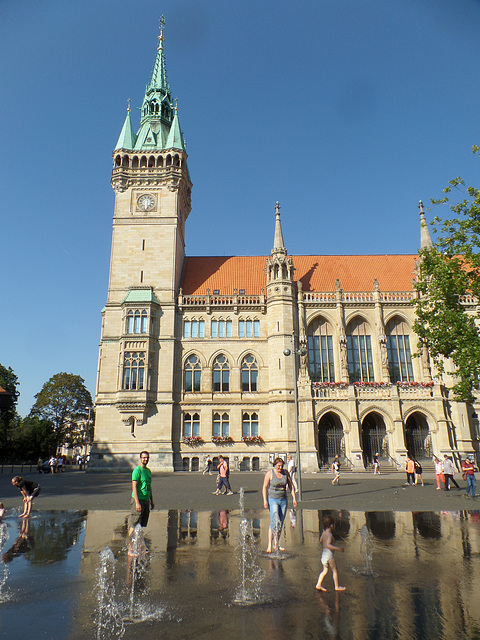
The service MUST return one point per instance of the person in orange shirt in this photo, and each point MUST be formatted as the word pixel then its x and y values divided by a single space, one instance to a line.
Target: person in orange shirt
pixel 410 468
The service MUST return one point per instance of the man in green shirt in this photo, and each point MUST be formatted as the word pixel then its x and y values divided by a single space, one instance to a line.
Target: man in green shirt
pixel 142 496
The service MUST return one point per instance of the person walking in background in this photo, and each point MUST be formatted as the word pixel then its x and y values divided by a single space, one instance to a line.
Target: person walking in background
pixel 336 469
pixel 376 465
pixel 418 473
pixel 292 470
pixel 410 469
pixel 142 496
pixel 448 472
pixel 327 541
pixel 223 479
pixel 274 493
pixel 468 469
pixel 439 472
pixel 208 466
pixel 29 491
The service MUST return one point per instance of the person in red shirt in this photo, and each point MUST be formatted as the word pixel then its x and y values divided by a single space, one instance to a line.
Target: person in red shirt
pixel 223 480
pixel 468 469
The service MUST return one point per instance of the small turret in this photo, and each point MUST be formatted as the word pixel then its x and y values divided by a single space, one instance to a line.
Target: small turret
pixel 278 245
pixel 279 266
pixel 127 138
pixel 425 240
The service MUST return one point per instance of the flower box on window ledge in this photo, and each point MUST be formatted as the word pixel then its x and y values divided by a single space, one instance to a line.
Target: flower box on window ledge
pixel 192 441
pixel 252 439
pixel 408 385
pixel 372 384
pixel 222 440
pixel 330 385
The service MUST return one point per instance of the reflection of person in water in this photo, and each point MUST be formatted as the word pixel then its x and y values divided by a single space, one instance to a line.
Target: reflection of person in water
pixel 222 520
pixel 22 544
pixel 332 619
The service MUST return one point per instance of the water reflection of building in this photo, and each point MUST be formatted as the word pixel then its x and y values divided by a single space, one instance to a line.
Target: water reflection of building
pixel 191 357
pixel 426 582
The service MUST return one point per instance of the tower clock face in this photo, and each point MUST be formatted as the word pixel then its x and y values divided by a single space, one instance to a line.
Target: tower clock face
pixel 146 202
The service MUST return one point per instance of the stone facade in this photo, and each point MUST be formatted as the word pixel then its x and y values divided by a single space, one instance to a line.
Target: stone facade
pixel 200 355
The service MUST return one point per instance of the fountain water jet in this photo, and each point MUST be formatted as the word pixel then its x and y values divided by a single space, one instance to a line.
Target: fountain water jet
pixel 366 550
pixel 137 566
pixel 109 621
pixel 4 568
pixel 252 575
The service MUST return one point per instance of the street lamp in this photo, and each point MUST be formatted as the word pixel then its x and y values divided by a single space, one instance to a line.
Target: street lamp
pixel 296 352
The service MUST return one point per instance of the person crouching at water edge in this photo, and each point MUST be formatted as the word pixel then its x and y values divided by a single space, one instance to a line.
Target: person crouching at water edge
pixel 29 491
pixel 275 500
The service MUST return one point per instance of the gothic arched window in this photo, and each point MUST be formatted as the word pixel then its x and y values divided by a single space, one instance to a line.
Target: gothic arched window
pixel 194 328
pixel 320 351
pixel 359 351
pixel 221 374
pixel 191 425
pixel 249 424
pixel 137 322
pixel 192 373
pixel 249 328
pixel 249 374
pixel 221 424
pixel 133 370
pixel 398 350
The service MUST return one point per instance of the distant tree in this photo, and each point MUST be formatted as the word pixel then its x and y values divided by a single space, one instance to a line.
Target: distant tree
pixel 32 438
pixel 8 407
pixel 449 271
pixel 65 402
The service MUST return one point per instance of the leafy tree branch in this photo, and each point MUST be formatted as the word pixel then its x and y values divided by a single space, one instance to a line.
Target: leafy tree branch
pixel 449 279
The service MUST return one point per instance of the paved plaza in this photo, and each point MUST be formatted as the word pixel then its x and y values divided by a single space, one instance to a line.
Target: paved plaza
pixel 356 492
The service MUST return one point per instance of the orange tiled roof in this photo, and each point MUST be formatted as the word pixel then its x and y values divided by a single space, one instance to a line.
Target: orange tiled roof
pixel 317 273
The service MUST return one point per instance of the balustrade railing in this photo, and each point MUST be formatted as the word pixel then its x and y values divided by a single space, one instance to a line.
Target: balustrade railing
pixel 378 390
pixel 208 300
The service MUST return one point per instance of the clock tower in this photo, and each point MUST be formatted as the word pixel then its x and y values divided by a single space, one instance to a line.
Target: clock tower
pixel 134 396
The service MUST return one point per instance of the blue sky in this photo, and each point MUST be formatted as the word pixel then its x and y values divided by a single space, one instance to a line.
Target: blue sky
pixel 346 111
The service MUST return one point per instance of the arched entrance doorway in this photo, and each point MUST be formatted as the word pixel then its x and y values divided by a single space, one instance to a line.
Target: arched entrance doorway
pixel 330 438
pixel 417 437
pixel 374 437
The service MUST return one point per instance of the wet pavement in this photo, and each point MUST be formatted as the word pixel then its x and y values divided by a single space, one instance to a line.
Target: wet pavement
pixel 356 492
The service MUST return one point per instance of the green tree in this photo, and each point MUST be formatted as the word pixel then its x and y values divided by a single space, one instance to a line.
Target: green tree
pixel 8 407
pixel 449 276
pixel 32 438
pixel 65 402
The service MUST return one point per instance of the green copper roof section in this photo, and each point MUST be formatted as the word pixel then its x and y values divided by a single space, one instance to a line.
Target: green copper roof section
pixel 141 295
pixel 127 138
pixel 159 125
pixel 159 75
pixel 157 102
pixel 175 138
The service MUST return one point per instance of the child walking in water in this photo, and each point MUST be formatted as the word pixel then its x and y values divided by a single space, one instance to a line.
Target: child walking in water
pixel 327 541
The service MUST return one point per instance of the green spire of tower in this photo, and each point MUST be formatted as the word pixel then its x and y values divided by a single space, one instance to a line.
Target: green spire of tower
pixel 159 75
pixel 157 103
pixel 158 116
